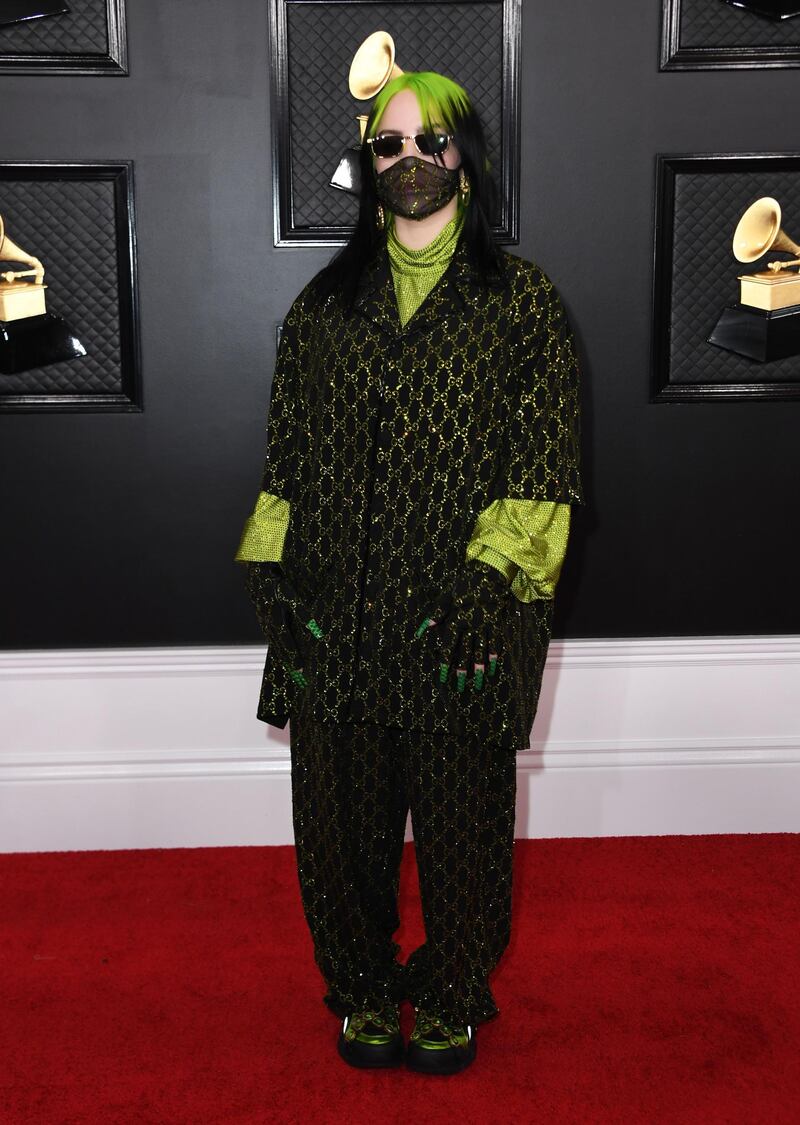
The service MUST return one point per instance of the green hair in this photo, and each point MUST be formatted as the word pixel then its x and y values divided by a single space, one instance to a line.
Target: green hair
pixel 441 100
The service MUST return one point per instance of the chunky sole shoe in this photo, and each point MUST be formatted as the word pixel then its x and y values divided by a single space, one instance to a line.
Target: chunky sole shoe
pixel 434 1053
pixel 369 1044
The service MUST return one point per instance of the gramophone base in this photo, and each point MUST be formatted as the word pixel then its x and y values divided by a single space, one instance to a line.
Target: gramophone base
pixel 347 176
pixel 36 341
pixel 757 333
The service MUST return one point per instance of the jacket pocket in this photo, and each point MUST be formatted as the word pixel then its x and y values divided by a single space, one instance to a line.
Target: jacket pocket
pixel 319 588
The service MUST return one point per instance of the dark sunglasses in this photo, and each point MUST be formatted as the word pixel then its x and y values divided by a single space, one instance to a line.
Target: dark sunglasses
pixel 427 144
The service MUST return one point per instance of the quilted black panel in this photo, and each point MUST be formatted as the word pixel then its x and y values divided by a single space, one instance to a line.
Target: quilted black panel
pixel 708 206
pixel 81 31
pixel 463 41
pixel 712 23
pixel 69 225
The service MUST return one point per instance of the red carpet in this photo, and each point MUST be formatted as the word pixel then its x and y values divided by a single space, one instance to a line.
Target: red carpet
pixel 649 980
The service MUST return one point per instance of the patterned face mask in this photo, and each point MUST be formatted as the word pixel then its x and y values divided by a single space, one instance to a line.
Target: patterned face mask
pixel 415 188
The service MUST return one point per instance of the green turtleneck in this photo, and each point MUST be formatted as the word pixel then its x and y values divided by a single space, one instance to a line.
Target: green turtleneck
pixel 415 272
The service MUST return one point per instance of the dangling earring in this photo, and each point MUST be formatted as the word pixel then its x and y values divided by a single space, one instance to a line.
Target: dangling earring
pixel 463 185
pixel 380 218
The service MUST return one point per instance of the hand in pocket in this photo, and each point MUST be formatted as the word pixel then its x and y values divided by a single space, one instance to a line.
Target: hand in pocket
pixel 466 621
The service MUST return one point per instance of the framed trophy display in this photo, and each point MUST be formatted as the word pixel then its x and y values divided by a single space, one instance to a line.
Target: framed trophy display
pixel 69 331
pixel 729 34
pixel 329 60
pixel 63 37
pixel 726 288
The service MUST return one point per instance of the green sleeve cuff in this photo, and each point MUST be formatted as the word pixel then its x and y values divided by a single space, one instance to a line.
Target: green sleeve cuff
pixel 264 530
pixel 526 540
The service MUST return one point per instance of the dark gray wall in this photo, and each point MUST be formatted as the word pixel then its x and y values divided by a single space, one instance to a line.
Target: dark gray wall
pixel 120 529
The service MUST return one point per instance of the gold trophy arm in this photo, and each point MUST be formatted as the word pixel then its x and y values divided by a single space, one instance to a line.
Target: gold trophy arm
pixel 38 273
pixel 776 266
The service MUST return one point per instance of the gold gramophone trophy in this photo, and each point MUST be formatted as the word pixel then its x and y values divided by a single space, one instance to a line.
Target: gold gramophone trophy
pixel 30 336
pixel 765 324
pixel 372 67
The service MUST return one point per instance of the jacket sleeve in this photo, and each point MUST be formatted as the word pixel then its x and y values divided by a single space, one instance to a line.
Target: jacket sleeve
pixel 540 454
pixel 524 539
pixel 265 528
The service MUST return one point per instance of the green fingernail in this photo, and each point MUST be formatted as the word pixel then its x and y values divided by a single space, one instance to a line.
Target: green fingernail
pixel 422 627
pixel 461 679
pixel 315 629
pixel 478 681
pixel 492 665
pixel 443 669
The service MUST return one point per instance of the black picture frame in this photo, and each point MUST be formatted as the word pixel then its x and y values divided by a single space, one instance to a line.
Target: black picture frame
pixel 43 56
pixel 677 54
pixel 286 163
pixel 685 333
pixel 121 328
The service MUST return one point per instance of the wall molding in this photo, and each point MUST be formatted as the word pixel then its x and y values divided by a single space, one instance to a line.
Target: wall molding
pixel 160 747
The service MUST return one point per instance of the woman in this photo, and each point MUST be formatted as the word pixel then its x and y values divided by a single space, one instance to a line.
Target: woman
pixel 402 558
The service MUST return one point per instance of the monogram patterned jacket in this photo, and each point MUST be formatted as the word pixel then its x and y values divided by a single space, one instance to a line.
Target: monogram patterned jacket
pixel 386 447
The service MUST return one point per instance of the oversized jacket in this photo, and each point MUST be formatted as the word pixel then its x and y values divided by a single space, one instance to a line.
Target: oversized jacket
pixel 386 443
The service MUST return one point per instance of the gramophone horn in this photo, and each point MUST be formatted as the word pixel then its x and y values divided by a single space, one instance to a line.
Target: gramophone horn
pixel 10 252
pixel 759 230
pixel 373 66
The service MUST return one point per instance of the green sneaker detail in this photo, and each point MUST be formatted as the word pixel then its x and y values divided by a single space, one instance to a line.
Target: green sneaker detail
pixel 372 1027
pixel 434 1034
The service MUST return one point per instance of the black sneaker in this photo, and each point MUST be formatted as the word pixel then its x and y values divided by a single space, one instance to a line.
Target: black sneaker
pixel 371 1038
pixel 436 1047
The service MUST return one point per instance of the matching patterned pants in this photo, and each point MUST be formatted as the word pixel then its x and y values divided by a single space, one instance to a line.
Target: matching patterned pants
pixel 352 787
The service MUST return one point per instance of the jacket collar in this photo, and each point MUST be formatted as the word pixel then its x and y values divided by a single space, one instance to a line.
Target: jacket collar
pixel 456 291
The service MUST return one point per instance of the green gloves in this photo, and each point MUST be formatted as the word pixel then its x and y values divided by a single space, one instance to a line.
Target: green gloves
pixel 284 617
pixel 467 619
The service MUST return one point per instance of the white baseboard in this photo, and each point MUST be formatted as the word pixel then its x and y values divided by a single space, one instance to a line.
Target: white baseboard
pixel 137 748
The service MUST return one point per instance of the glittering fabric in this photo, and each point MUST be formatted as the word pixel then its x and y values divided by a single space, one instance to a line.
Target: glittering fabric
pixel 527 539
pixel 524 539
pixel 264 530
pixel 415 272
pixel 388 441
pixel 416 188
pixel 352 785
